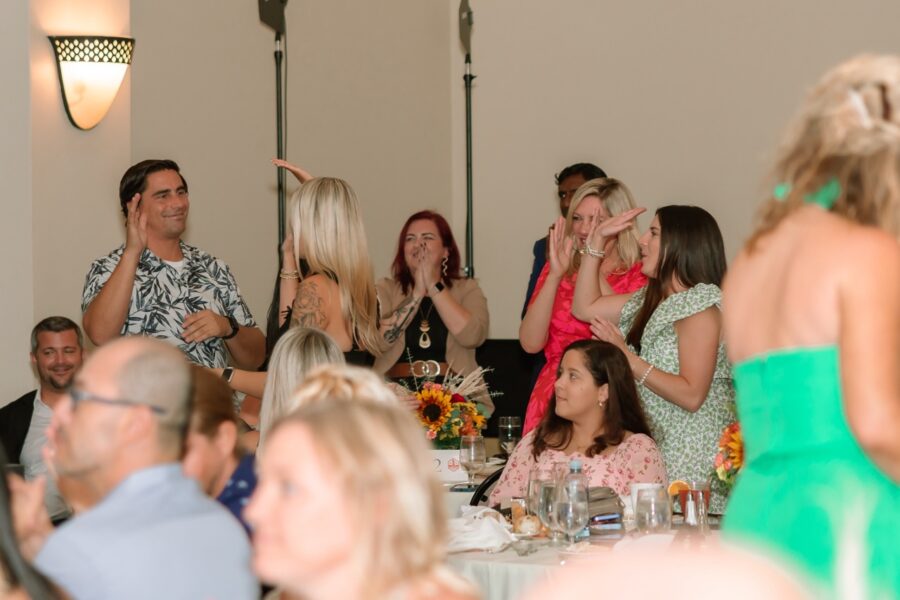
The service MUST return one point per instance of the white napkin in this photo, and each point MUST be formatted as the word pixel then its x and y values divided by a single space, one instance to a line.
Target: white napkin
pixel 479 528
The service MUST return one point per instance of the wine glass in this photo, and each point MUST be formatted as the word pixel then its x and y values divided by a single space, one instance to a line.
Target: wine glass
pixel 533 491
pixel 547 508
pixel 652 511
pixel 508 430
pixel 571 512
pixel 472 457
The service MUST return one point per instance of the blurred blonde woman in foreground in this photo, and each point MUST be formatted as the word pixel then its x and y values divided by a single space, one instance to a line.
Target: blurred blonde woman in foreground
pixel 361 516
pixel 299 351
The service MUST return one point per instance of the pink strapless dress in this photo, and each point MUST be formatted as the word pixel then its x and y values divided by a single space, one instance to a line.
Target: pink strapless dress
pixel 565 329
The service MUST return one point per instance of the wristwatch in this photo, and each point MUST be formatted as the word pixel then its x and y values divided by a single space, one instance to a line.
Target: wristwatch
pixel 227 374
pixel 439 287
pixel 235 326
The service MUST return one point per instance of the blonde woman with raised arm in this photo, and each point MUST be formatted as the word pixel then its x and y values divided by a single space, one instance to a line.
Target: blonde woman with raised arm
pixel 548 325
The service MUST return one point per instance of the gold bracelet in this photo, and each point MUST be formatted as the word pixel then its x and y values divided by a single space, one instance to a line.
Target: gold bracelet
pixel 289 274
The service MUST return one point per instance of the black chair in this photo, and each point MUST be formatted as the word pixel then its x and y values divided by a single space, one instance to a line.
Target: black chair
pixel 483 491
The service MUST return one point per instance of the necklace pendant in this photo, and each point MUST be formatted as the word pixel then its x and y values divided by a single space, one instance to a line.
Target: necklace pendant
pixel 424 340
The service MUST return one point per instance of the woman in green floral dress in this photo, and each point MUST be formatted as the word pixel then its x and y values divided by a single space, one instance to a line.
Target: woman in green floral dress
pixel 671 331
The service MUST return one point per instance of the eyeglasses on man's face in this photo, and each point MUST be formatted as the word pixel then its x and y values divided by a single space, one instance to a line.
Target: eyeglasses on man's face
pixel 78 396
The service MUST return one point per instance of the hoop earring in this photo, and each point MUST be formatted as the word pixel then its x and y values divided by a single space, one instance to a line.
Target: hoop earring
pixel 444 266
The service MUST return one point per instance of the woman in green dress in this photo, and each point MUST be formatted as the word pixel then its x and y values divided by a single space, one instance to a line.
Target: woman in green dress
pixel 671 332
pixel 812 320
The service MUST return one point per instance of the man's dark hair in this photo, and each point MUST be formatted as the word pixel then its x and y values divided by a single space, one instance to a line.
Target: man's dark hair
pixel 134 181
pixel 55 325
pixel 587 170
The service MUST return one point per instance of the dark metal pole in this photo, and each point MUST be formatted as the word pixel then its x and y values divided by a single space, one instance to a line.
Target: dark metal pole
pixel 470 217
pixel 279 124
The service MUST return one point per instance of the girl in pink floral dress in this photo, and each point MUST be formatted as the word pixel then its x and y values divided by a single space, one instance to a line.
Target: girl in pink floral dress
pixel 595 415
pixel 548 324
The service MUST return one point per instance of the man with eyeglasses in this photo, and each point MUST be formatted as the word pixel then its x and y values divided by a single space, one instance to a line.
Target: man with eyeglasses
pixel 56 354
pixel 147 531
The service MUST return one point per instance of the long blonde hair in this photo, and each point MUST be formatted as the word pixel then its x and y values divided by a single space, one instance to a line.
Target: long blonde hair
pixel 328 233
pixel 298 352
pixel 616 199
pixel 848 130
pixel 378 452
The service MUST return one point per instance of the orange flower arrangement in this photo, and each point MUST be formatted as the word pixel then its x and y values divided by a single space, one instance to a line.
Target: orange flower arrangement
pixel 730 457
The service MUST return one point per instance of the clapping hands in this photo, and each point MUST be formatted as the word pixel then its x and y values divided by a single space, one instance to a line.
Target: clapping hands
pixel 561 248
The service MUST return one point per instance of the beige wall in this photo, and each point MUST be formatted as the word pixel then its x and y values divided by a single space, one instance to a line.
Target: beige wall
pixel 58 181
pixel 16 270
pixel 684 101
pixel 368 100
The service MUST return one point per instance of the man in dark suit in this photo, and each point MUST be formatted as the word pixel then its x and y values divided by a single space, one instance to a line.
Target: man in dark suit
pixel 56 353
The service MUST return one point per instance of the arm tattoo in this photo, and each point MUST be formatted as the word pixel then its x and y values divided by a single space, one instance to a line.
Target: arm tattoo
pixel 308 310
pixel 401 318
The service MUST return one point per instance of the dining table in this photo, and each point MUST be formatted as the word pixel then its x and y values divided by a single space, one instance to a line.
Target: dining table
pixel 505 575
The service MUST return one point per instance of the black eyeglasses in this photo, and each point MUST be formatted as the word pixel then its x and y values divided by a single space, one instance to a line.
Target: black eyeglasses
pixel 79 396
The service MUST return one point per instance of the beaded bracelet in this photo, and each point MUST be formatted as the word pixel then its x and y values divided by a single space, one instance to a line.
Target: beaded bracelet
pixel 644 376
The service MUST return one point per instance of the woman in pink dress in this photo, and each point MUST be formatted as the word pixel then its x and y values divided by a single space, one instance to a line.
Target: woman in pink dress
pixel 548 324
pixel 594 415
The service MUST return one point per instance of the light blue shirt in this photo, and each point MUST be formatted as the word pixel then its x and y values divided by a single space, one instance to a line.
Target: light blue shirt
pixel 156 535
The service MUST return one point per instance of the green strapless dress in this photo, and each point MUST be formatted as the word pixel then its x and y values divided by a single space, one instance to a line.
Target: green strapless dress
pixel 807 489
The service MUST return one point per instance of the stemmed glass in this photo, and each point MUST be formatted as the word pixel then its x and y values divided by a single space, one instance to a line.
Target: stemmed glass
pixel 549 478
pixel 571 511
pixel 533 491
pixel 508 430
pixel 472 457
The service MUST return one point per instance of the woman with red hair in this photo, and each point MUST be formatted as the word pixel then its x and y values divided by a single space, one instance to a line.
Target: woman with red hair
pixel 432 318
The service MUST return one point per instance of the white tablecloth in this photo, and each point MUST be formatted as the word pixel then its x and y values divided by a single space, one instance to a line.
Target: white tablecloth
pixel 453 500
pixel 505 575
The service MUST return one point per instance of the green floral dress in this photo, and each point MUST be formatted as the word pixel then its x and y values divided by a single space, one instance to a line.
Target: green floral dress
pixel 688 441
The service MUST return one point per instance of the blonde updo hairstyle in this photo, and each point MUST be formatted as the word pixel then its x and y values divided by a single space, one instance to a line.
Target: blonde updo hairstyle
pixel 328 233
pixel 616 199
pixel 848 129
pixel 380 457
pixel 342 382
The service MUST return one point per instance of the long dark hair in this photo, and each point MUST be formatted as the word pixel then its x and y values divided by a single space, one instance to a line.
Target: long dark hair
pixel 691 251
pixel 16 570
pixel 622 412
pixel 400 270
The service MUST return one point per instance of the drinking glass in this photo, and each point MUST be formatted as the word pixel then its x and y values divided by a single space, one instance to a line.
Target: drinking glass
pixel 652 511
pixel 547 509
pixel 509 432
pixel 472 457
pixel 571 510
pixel 533 492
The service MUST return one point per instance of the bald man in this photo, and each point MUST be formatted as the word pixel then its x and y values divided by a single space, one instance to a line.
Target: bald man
pixel 146 530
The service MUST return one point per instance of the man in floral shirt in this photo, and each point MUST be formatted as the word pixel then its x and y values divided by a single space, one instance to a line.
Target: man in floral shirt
pixel 158 286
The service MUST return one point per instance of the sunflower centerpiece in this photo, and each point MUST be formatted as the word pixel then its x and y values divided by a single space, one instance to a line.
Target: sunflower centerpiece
pixel 446 413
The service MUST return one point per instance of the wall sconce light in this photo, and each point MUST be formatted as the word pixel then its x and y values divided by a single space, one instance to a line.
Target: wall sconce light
pixel 91 69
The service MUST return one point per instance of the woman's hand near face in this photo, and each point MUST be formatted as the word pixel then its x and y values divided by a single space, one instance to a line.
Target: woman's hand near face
pixel 605 331
pixel 561 246
pixel 419 273
pixel 603 230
